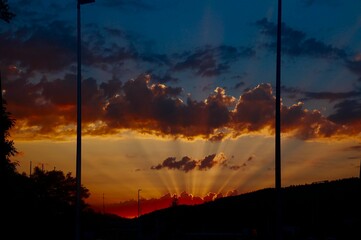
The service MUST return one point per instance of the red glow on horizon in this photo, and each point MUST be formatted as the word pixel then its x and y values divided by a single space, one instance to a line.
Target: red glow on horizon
pixel 129 209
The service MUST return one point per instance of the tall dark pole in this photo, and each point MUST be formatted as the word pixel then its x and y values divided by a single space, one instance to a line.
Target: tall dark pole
pixel 139 202
pixel 1 89
pixel 2 131
pixel 78 128
pixel 278 127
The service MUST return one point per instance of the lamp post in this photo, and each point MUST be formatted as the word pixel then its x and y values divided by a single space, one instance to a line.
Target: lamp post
pixel 139 202
pixel 278 127
pixel 2 132
pixel 78 129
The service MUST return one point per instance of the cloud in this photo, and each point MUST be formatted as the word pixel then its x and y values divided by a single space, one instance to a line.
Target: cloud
pixel 187 164
pixel 211 61
pixel 129 4
pixel 163 78
pixel 295 43
pixel 347 112
pixel 310 3
pixel 330 96
pixel 254 109
pixel 40 47
pixel 42 109
pixel 354 65
pixel 353 148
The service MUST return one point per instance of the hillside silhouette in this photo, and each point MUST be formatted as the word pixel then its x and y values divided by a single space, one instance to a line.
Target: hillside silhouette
pixel 324 210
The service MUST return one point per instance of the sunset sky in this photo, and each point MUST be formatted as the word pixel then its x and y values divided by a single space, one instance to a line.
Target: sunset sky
pixel 179 95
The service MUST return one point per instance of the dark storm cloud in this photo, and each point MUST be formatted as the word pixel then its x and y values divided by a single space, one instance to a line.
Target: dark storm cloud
pixel 296 43
pixel 211 61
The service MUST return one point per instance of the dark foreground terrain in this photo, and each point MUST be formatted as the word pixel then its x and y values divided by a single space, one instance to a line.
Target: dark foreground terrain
pixel 326 210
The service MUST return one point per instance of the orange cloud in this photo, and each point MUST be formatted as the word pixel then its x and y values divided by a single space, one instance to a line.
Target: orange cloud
pixel 49 107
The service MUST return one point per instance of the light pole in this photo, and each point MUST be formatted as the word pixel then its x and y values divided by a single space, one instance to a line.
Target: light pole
pixel 2 131
pixel 278 127
pixel 78 129
pixel 139 202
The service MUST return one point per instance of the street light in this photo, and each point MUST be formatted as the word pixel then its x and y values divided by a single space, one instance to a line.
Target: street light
pixel 2 131
pixel 78 130
pixel 139 202
pixel 278 127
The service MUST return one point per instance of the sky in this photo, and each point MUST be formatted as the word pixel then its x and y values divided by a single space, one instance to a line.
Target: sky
pixel 178 96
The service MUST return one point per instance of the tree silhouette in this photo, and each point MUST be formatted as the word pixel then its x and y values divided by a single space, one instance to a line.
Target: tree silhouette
pixel 7 148
pixel 175 202
pixel 6 145
pixel 5 13
pixel 57 190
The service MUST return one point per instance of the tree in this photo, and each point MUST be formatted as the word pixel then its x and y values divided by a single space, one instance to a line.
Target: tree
pixel 57 190
pixel 7 148
pixel 6 145
pixel 175 201
pixel 5 13
pixel 50 203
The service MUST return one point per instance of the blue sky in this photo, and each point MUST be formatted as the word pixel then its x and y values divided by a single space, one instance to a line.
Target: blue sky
pixel 178 91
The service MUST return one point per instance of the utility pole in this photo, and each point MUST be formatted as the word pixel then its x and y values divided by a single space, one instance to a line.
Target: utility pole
pixel 278 127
